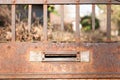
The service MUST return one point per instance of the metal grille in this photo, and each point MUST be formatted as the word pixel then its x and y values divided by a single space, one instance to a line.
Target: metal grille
pixel 61 2
pixel 17 59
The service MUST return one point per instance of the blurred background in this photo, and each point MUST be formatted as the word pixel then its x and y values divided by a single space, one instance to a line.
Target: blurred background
pixel 56 32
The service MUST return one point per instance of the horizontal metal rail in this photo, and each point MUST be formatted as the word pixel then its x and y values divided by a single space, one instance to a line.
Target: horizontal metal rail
pixel 59 1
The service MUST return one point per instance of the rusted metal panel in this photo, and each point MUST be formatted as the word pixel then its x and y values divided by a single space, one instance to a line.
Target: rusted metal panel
pixel 86 60
pixel 58 1
pixel 104 61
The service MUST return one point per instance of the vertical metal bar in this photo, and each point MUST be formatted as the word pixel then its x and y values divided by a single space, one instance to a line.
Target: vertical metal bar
pixel 62 17
pixel 45 23
pixel 77 22
pixel 13 23
pixel 93 17
pixel 108 22
pixel 29 17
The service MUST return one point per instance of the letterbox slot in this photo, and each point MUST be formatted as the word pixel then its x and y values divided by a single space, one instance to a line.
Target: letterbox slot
pixel 60 56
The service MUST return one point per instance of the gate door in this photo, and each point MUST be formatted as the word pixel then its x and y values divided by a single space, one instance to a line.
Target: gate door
pixel 59 59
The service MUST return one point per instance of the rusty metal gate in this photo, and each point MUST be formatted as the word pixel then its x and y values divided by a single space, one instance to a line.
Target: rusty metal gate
pixel 46 59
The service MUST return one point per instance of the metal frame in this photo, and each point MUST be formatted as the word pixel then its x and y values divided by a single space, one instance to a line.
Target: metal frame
pixel 104 57
pixel 58 1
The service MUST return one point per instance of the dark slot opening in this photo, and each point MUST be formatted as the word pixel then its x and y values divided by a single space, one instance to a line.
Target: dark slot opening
pixel 60 55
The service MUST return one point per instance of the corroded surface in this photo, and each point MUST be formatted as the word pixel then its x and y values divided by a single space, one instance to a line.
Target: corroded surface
pixel 104 61
pixel 58 1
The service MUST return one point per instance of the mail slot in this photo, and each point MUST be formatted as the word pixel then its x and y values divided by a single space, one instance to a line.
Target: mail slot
pixel 54 56
pixel 61 56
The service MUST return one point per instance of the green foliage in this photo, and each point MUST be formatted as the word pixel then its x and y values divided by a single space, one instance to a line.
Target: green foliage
pixel 86 22
pixel 25 7
pixel 52 10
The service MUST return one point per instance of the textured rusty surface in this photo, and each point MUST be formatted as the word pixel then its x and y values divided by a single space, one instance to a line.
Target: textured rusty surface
pixel 15 57
pixel 58 1
pixel 104 61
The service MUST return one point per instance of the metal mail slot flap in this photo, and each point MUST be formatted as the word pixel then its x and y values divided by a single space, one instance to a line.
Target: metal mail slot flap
pixel 54 56
pixel 60 56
